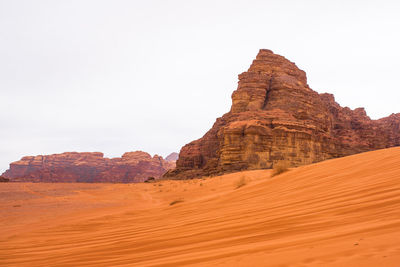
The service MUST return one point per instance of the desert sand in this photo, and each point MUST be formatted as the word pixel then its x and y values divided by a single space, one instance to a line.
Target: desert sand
pixel 341 212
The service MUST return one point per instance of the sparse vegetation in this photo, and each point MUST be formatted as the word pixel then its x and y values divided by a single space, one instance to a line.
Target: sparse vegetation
pixel 279 168
pixel 241 182
pixel 176 202
pixel 4 180
pixel 150 180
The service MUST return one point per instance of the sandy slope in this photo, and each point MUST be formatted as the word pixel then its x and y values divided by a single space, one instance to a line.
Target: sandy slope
pixel 343 212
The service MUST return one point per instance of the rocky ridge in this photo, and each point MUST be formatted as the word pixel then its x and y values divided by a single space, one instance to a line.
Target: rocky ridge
pixel 88 167
pixel 275 117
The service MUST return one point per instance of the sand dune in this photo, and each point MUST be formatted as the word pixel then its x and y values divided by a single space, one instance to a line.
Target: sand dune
pixel 342 212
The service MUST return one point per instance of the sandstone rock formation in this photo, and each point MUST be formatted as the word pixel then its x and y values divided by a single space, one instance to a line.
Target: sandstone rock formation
pixel 275 117
pixel 88 167
pixel 172 157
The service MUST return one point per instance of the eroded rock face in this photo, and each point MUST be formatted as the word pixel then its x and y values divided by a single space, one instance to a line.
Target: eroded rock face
pixel 275 117
pixel 88 167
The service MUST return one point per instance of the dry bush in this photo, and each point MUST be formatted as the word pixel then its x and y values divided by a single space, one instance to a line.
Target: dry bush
pixel 279 168
pixel 241 182
pixel 150 180
pixel 4 179
pixel 176 202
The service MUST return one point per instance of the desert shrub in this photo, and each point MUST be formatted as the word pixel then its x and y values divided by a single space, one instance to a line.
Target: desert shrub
pixel 241 182
pixel 279 168
pixel 4 179
pixel 176 202
pixel 150 180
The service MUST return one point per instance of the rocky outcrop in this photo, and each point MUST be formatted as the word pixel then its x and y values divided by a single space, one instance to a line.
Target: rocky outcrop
pixel 88 167
pixel 276 117
pixel 172 157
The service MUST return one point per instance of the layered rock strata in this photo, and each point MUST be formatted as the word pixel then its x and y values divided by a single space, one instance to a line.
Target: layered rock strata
pixel 88 167
pixel 274 117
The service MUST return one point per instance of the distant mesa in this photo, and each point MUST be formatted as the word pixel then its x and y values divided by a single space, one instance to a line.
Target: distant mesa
pixel 275 117
pixel 172 157
pixel 88 167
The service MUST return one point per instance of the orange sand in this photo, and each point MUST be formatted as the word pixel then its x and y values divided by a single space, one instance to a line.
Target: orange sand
pixel 342 212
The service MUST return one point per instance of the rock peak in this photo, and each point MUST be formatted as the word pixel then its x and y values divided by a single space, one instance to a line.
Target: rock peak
pixel 264 52
pixel 268 74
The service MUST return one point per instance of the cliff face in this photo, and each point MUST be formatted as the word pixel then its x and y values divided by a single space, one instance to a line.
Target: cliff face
pixel 274 117
pixel 88 167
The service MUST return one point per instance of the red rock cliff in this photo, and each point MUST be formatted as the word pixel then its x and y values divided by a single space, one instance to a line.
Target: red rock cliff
pixel 88 167
pixel 274 117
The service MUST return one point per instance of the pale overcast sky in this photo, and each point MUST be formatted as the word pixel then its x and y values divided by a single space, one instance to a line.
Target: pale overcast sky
pixel 117 76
